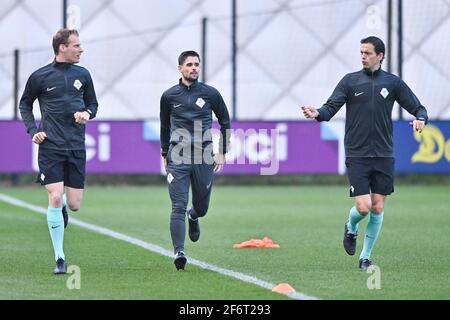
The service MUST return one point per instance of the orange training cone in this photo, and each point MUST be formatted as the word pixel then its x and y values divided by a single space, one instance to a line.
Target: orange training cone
pixel 283 288
pixel 257 243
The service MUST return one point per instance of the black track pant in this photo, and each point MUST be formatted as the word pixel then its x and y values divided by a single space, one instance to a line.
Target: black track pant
pixel 179 178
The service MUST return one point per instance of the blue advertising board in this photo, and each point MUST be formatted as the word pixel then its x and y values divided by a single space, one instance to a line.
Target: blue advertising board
pixel 426 152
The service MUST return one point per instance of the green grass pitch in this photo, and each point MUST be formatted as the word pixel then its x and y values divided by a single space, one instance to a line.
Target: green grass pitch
pixel 412 251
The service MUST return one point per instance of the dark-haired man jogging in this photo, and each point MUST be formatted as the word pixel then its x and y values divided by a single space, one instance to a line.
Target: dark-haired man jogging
pixel 369 95
pixel 186 143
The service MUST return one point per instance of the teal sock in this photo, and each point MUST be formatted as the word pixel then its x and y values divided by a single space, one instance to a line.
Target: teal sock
pixel 56 227
pixel 372 231
pixel 354 217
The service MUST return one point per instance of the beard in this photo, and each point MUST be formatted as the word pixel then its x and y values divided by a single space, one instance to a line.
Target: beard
pixel 191 77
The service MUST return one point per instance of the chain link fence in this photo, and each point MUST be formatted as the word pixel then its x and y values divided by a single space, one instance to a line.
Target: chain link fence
pixel 290 52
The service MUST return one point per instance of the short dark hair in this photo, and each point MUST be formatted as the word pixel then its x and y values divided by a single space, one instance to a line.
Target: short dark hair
pixel 183 56
pixel 62 37
pixel 377 43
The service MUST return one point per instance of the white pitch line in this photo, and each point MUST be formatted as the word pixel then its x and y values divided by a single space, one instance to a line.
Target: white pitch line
pixel 156 249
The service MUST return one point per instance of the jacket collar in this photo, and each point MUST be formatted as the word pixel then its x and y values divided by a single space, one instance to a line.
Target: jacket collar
pixel 57 64
pixel 193 85
pixel 374 73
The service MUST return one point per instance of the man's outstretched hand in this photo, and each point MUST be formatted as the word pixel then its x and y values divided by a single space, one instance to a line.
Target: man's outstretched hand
pixel 418 125
pixel 309 112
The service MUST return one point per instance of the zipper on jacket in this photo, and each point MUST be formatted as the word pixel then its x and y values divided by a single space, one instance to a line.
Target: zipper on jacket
pixel 189 95
pixel 372 116
pixel 67 94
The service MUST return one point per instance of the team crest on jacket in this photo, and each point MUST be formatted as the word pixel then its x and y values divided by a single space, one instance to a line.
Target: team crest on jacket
pixel 77 84
pixel 384 92
pixel 200 102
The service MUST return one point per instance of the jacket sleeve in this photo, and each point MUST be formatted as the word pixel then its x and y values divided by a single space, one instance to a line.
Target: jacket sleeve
pixel 164 116
pixel 337 99
pixel 220 110
pixel 408 101
pixel 90 98
pixel 29 95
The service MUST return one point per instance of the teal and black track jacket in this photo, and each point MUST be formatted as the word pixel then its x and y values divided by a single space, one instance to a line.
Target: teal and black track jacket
pixel 369 98
pixel 187 111
pixel 61 89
